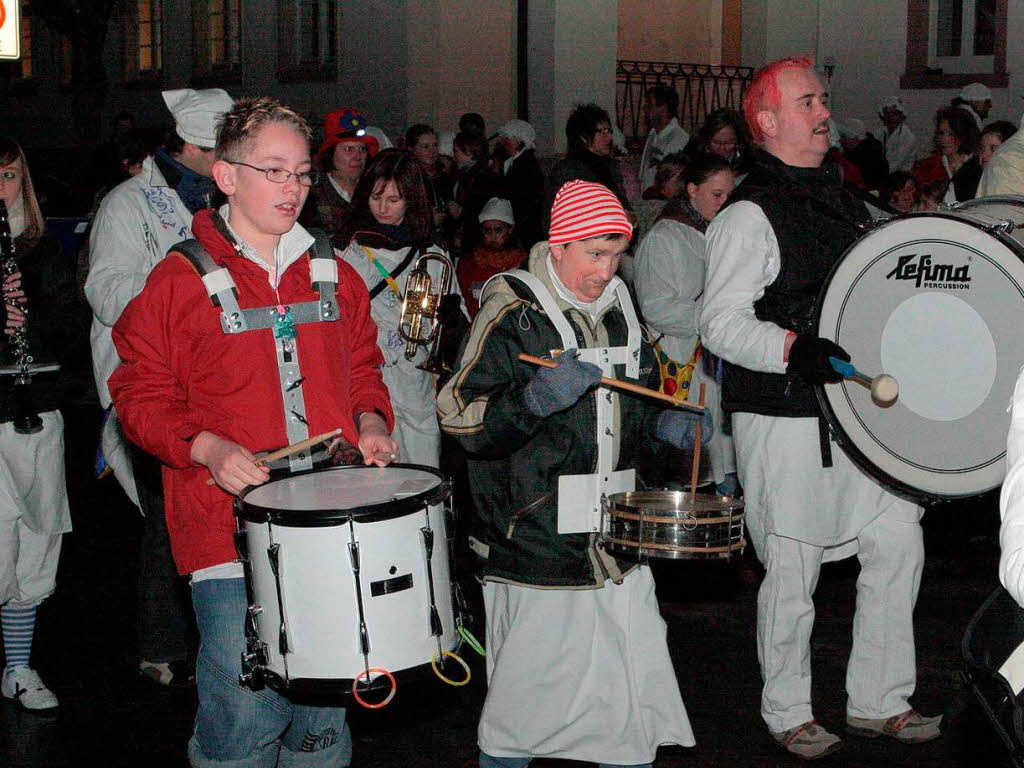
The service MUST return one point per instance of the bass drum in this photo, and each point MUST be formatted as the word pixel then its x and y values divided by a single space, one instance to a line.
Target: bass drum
pixel 937 301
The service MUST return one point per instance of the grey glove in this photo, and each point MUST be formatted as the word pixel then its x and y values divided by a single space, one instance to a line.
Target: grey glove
pixel 554 389
pixel 678 427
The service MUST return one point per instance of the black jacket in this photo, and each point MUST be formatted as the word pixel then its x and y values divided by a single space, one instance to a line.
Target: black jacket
pixel 515 457
pixel 58 326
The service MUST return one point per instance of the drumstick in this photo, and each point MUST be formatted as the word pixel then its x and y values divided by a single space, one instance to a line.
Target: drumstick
pixel 884 388
pixel 288 450
pixel 696 450
pixel 636 389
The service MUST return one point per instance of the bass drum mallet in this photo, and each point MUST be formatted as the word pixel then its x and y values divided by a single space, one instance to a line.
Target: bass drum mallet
pixel 885 390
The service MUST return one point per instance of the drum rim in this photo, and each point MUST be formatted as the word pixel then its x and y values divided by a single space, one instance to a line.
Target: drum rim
pixel 836 429
pixel 734 503
pixel 324 518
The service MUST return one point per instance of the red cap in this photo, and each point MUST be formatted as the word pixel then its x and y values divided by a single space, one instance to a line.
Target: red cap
pixel 347 124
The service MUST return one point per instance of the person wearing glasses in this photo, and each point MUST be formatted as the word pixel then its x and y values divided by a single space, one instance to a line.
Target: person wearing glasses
pixel 588 133
pixel 205 401
pixel 137 222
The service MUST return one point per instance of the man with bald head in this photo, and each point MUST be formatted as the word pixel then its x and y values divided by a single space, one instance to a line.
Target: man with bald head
pixel 770 252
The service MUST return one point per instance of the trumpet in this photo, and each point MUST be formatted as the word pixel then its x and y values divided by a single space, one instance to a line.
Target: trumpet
pixel 419 325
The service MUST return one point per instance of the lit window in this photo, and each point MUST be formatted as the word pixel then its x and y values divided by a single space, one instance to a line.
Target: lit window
pixel 224 21
pixel 150 36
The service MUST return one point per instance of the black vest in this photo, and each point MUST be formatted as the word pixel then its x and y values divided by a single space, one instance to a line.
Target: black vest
pixel 814 220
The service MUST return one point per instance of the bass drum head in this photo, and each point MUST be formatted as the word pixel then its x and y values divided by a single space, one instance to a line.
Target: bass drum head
pixel 937 301
pixel 332 495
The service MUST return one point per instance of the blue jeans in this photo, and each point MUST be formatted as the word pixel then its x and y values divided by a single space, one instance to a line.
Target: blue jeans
pixel 486 761
pixel 240 728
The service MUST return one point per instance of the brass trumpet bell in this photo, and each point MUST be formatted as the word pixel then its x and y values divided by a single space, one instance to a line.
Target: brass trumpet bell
pixel 421 302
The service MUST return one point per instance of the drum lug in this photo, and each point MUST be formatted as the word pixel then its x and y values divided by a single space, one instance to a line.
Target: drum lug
pixel 242 545
pixel 254 661
pixel 1003 227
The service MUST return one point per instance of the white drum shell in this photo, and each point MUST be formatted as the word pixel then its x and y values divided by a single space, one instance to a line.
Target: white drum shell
pixel 318 594
pixel 954 345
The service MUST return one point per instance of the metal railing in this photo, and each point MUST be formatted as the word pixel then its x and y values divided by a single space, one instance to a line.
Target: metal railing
pixel 701 87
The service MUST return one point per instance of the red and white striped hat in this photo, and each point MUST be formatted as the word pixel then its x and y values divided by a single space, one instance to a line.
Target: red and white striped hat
pixel 585 209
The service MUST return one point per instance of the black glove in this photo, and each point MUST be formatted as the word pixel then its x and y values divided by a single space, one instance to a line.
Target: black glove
pixel 554 389
pixel 808 358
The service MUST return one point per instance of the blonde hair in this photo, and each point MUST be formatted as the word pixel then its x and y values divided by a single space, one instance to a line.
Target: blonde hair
pixel 10 151
pixel 237 127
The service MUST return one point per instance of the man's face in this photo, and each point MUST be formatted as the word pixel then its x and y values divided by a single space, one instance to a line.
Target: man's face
pixel 348 160
pixel 267 207
pixel 197 159
pixel 797 132
pixel 586 267
pixel 602 142
pixel 891 118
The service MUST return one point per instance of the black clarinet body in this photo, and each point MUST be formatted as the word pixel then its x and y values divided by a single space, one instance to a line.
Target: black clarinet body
pixel 25 417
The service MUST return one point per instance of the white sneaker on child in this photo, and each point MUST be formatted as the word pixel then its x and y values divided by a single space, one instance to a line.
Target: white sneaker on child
pixel 24 685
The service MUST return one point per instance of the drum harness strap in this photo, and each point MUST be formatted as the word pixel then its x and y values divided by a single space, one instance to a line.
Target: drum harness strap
pixel 323 272
pixel 223 293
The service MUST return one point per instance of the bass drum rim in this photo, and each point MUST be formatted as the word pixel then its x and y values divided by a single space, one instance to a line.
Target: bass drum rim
pixel 835 427
pixel 330 517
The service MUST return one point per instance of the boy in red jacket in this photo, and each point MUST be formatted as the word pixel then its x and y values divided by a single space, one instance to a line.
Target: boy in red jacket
pixel 204 387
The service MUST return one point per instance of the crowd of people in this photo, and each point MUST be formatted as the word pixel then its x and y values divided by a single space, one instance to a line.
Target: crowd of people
pixel 695 267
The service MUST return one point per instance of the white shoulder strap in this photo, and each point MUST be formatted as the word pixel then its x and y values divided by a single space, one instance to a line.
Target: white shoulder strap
pixel 547 303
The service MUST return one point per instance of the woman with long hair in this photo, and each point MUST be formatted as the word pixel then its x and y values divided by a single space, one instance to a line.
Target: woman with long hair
pixel 38 282
pixel 992 137
pixel 723 133
pixel 669 281
pixel 421 140
pixel 389 226
pixel 954 160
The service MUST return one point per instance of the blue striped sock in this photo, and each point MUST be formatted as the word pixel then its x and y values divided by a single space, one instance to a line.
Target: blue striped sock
pixel 18 625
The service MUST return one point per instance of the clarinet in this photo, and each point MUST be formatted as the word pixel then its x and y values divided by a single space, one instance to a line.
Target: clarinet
pixel 26 419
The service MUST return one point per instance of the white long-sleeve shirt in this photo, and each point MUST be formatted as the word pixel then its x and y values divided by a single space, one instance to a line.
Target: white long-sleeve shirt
pixel 672 138
pixel 900 148
pixel 742 260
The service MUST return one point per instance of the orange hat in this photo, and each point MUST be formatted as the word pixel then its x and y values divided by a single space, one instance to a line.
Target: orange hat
pixel 347 124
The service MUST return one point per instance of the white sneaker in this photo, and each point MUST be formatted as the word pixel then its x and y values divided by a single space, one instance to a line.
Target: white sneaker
pixel 24 686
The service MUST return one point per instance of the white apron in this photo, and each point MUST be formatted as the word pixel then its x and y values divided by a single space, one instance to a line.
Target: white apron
pixel 412 391
pixel 580 674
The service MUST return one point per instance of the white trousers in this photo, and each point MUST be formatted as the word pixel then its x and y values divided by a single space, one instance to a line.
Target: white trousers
pixel 881 672
pixel 418 437
pixel 34 511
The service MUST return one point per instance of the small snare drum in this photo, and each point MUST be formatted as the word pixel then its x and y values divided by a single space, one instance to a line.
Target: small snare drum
pixel 673 524
pixel 348 575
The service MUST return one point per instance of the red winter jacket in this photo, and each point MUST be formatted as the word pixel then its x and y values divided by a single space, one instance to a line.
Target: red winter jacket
pixel 180 375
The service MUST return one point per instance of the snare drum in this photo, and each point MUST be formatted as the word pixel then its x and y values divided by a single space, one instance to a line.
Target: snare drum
pixel 936 300
pixel 347 571
pixel 673 524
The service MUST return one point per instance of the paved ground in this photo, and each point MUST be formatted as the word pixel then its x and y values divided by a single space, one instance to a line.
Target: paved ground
pixel 112 717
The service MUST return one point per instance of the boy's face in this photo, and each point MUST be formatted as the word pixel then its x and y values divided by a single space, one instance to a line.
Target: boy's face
pixel 267 207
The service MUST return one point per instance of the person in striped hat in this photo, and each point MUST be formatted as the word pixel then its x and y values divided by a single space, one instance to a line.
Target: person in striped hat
pixel 577 663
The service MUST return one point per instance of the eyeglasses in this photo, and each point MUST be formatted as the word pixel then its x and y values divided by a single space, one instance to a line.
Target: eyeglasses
pixel 604 129
pixel 281 176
